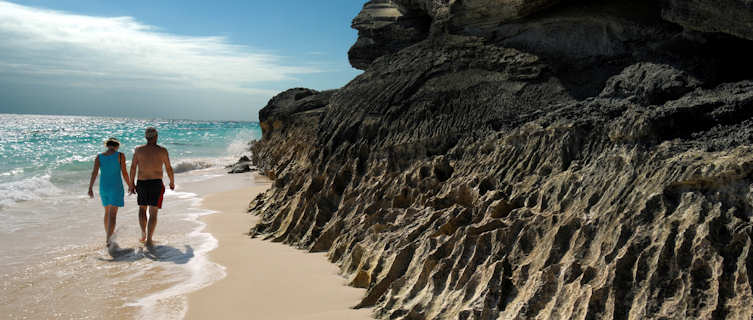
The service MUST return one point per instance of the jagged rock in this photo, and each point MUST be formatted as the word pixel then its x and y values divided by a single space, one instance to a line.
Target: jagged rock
pixel 650 83
pixel 474 177
pixel 734 17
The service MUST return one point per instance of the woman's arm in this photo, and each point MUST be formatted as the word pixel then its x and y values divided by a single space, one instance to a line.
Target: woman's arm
pixel 95 171
pixel 134 166
pixel 124 171
pixel 169 169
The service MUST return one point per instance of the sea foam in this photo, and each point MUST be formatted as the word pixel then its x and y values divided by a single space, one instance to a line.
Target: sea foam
pixel 33 188
pixel 190 165
pixel 172 302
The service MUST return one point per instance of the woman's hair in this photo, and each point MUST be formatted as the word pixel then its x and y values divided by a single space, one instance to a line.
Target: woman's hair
pixel 112 142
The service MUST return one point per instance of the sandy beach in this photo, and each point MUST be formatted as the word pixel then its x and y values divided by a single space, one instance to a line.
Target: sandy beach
pixel 266 280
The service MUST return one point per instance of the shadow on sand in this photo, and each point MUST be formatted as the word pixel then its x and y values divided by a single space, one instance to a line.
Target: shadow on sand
pixel 169 254
pixel 118 254
pixel 162 253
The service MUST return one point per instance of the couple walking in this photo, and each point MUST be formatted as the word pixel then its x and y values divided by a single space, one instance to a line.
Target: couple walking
pixel 148 161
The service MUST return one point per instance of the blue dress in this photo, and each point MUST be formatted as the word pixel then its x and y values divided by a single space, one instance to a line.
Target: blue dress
pixel 110 182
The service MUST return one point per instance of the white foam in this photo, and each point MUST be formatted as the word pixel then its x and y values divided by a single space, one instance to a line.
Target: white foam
pixel 33 188
pixel 240 145
pixel 13 172
pixel 195 164
pixel 179 194
pixel 76 158
pixel 203 271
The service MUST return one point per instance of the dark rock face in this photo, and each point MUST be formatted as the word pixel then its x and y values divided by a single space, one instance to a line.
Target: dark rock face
pixel 469 15
pixel 650 83
pixel 293 117
pixel 292 101
pixel 385 27
pixel 600 172
pixel 734 17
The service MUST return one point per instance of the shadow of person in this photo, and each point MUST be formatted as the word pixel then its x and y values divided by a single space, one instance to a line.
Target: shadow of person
pixel 118 254
pixel 170 254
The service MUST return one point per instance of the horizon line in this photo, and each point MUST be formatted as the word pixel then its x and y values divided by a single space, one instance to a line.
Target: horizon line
pixel 120 117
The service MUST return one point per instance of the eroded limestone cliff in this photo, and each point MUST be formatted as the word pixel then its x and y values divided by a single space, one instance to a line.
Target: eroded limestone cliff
pixel 528 160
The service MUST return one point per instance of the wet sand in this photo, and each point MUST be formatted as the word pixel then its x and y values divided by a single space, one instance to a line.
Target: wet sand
pixel 267 280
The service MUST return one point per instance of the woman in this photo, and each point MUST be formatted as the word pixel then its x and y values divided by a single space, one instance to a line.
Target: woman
pixel 110 185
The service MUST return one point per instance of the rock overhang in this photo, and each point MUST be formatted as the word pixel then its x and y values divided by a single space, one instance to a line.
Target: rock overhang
pixel 387 26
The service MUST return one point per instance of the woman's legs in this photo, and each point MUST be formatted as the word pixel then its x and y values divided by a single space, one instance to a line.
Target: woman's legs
pixel 111 213
pixel 107 224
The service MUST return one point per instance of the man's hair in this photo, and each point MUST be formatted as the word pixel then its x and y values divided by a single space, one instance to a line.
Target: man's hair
pixel 150 133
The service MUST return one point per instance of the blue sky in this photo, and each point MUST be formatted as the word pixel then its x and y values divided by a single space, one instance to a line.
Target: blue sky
pixel 169 59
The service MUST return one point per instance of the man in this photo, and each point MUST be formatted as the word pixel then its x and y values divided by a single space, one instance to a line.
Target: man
pixel 148 160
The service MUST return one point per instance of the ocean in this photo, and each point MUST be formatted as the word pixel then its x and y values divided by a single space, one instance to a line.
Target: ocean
pixel 53 263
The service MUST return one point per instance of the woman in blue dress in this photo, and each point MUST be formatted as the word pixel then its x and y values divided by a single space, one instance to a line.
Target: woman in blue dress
pixel 112 165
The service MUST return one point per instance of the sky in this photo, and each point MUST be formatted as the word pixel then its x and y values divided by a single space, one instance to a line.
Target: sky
pixel 177 59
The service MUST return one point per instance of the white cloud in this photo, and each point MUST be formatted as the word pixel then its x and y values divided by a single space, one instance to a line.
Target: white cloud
pixel 78 50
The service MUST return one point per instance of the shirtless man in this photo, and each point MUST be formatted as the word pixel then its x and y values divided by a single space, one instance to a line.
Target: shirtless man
pixel 148 160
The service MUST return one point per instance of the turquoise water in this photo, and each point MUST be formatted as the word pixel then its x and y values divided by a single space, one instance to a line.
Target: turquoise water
pixel 46 156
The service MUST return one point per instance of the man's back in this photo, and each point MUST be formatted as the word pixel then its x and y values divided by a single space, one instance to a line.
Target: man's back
pixel 150 159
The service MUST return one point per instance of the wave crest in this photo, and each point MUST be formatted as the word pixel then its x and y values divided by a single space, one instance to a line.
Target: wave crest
pixel 241 145
pixel 33 188
pixel 190 165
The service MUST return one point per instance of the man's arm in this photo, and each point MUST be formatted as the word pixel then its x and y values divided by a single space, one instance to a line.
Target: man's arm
pixel 134 167
pixel 95 171
pixel 169 169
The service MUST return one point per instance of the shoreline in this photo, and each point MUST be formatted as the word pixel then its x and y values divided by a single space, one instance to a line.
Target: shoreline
pixel 136 284
pixel 266 280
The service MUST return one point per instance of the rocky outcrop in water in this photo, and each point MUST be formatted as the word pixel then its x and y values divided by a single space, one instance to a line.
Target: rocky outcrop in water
pixel 243 165
pixel 587 160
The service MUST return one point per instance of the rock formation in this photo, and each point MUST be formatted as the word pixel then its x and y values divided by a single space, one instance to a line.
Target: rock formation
pixel 385 27
pixel 733 17
pixel 527 160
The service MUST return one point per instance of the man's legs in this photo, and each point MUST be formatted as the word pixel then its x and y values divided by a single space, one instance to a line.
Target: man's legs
pixel 142 222
pixel 152 224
